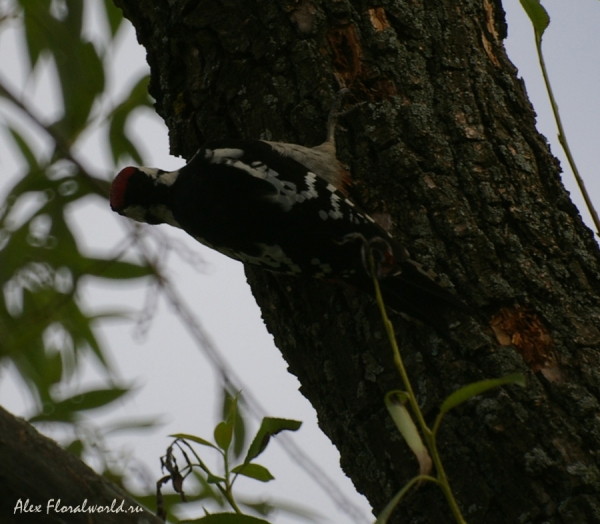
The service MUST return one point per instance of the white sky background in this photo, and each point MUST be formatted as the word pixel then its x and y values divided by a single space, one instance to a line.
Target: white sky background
pixel 174 378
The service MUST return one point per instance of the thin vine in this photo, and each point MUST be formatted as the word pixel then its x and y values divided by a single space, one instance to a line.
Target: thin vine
pixel 395 401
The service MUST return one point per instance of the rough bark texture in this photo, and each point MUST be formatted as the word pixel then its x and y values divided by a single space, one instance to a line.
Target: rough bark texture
pixel 443 138
pixel 35 470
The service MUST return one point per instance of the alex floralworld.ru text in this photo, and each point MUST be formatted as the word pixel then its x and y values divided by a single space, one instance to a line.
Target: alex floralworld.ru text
pixel 55 506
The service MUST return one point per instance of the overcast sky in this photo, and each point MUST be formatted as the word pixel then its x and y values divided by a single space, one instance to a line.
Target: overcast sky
pixel 174 379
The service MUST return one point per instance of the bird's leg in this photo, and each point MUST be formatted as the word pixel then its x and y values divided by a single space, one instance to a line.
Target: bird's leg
pixel 334 113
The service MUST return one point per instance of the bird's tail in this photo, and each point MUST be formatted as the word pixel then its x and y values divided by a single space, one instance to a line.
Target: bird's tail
pixel 413 291
pixel 405 285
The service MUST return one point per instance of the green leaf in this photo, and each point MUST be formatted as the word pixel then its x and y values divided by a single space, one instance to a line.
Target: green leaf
pixel 269 428
pixel 81 76
pixel 54 368
pixel 114 16
pixel 120 144
pixel 239 428
pixel 26 151
pixel 267 508
pixel 231 409
pixel 80 70
pixel 214 479
pixel 223 434
pixel 127 425
pixel 74 19
pixel 43 329
pixel 395 403
pixel 30 362
pixel 169 500
pixel 227 518
pixel 36 20
pixel 254 471
pixel 75 447
pixel 193 438
pixel 66 409
pixel 115 269
pixel 121 147
pixel 538 15
pixel 78 325
pixel 471 390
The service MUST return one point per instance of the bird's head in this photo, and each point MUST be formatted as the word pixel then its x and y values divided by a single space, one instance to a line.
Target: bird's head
pixel 141 193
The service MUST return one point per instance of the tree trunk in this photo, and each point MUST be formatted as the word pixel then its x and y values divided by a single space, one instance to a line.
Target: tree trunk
pixel 41 482
pixel 442 137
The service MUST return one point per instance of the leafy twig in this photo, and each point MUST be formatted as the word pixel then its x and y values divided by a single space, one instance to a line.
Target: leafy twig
pixel 540 20
pixel 234 382
pixel 441 477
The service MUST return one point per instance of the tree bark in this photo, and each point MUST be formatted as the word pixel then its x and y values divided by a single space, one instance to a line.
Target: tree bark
pixel 41 482
pixel 441 136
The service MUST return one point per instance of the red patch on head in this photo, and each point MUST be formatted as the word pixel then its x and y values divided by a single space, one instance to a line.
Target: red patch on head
pixel 118 188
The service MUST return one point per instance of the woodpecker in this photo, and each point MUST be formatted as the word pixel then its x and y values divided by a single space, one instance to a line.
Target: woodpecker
pixel 284 208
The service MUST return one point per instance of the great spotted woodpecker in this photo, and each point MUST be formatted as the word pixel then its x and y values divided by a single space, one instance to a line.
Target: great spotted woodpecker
pixel 284 208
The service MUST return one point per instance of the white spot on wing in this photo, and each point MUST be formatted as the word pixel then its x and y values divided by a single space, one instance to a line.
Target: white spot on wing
pixel 326 269
pixel 231 157
pixel 336 212
pixel 287 193
pixel 271 256
pixel 225 154
pixel 311 191
pixel 320 160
